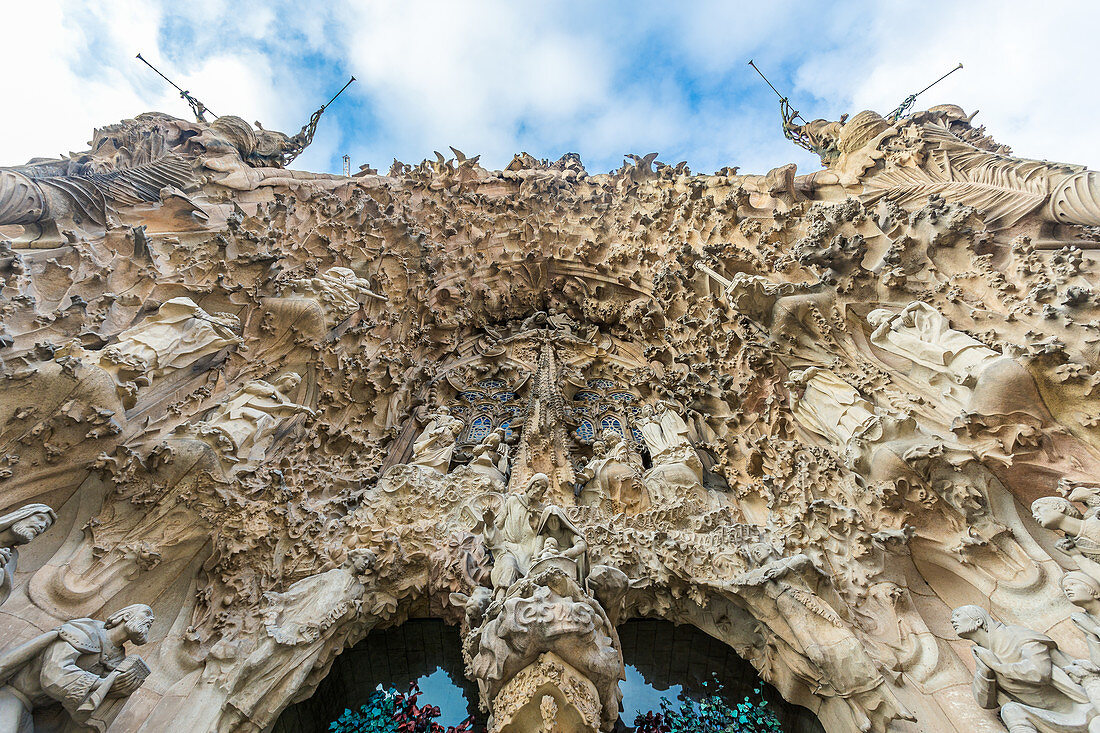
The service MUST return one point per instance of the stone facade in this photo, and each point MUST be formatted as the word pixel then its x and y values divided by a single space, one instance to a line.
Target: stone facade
pixel 847 423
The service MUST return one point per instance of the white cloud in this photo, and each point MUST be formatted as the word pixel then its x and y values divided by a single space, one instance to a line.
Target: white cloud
pixel 87 76
pixel 496 77
pixel 1027 68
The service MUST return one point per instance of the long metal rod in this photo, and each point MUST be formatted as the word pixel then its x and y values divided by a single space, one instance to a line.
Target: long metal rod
pixel 162 76
pixel 334 96
pixel 937 81
pixel 783 101
pixel 196 105
pixel 758 71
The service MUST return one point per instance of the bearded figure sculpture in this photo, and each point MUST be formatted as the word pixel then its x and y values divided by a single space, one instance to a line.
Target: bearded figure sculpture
pixel 80 665
pixel 19 528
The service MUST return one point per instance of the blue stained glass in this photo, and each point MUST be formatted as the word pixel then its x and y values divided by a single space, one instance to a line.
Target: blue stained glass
pixel 637 436
pixel 612 423
pixel 622 397
pixel 601 383
pixel 490 383
pixel 586 397
pixel 506 426
pixel 471 396
pixel 479 428
pixel 585 430
pixel 504 396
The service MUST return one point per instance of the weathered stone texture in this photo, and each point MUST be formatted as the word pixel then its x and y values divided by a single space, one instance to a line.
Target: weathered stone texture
pixel 807 414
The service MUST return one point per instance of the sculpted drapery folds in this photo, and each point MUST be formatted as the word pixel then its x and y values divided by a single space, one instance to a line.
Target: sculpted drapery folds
pixel 248 420
pixel 80 665
pixel 543 402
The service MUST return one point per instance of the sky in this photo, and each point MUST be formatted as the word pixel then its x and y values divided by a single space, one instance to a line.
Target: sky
pixel 497 77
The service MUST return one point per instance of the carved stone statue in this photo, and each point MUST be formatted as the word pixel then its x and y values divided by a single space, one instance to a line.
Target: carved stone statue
pixel 513 535
pixel 490 458
pixel 177 335
pixel 1020 671
pixel 435 446
pixel 967 374
pixel 19 528
pixel 250 418
pixel 298 626
pixel 778 591
pixel 338 290
pixel 80 664
pixel 829 406
pixel 558 537
pixel 665 433
pixel 549 612
pixel 612 475
pixel 676 465
pixel 1082 532
pixel 921 334
pixel 1083 591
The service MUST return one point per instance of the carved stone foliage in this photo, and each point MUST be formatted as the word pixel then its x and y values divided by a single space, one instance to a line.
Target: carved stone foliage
pixel 805 414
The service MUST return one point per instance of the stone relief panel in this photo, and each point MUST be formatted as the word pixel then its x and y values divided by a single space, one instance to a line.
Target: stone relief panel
pixel 805 413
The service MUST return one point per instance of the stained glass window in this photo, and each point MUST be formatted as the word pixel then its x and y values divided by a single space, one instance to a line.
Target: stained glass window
pixel 605 404
pixel 612 423
pixel 486 405
pixel 585 431
pixel 480 427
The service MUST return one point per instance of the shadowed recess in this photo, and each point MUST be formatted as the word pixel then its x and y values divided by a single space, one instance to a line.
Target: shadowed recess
pixel 666 660
pixel 424 651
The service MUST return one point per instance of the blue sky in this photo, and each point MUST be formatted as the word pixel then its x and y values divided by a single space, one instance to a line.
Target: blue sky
pixel 598 78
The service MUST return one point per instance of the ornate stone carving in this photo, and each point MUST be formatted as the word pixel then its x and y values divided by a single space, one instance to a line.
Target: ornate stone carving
pixel 813 629
pixel 300 626
pixel 490 458
pixel 872 367
pixel 546 610
pixel 433 449
pixel 176 336
pixel 612 476
pixel 337 290
pixel 81 664
pixel 512 534
pixel 19 528
pixel 1020 672
pixel 243 427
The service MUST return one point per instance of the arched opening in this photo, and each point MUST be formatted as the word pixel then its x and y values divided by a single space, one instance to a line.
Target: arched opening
pixel 665 660
pixel 425 651
pixel 662 660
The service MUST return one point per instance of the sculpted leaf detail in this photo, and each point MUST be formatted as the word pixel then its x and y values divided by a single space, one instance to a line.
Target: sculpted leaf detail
pixel 1005 190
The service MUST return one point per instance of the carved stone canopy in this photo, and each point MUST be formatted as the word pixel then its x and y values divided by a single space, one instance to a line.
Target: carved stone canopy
pixel 798 412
